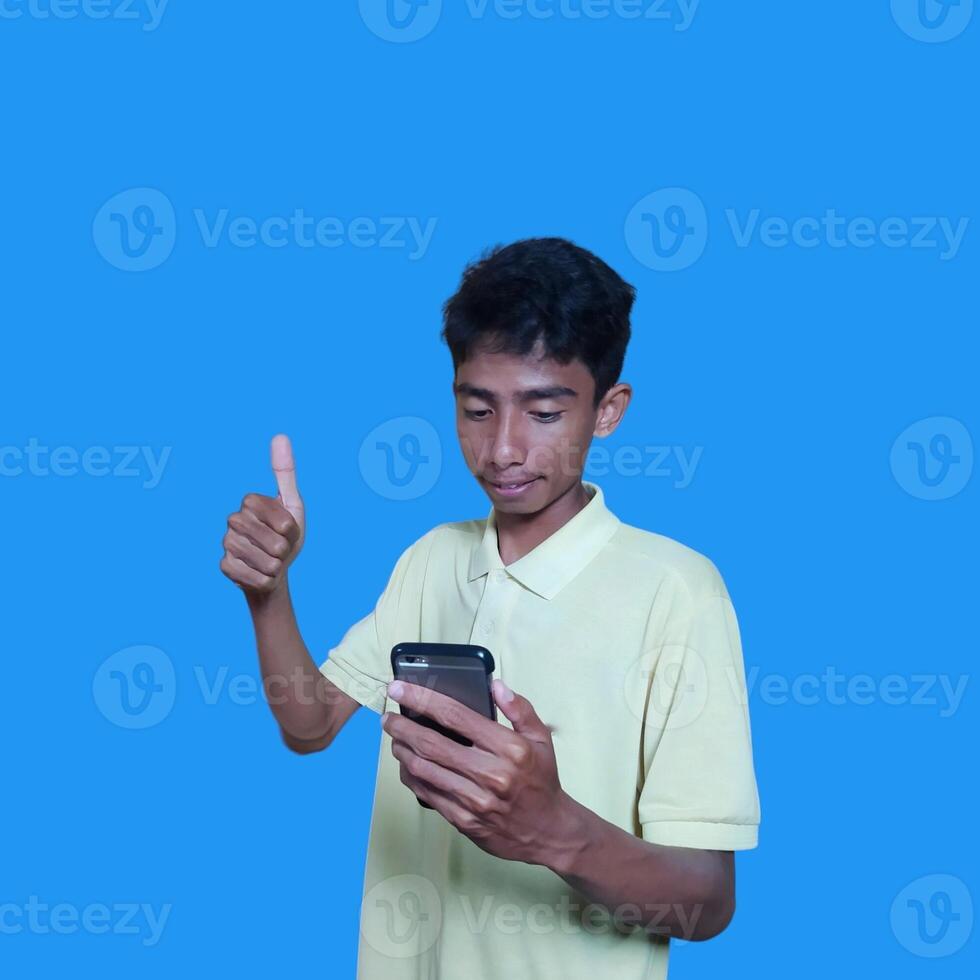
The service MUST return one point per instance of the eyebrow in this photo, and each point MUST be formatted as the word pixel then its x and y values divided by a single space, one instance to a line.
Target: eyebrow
pixel 528 395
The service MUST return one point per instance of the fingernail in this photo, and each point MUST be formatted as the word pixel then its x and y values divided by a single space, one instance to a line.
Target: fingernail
pixel 506 694
pixel 396 689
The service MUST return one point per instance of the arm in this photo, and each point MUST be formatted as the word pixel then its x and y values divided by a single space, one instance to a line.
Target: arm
pixel 263 539
pixel 504 794
pixel 683 892
pixel 310 709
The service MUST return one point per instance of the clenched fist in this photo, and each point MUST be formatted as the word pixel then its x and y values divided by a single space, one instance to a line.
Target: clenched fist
pixel 266 535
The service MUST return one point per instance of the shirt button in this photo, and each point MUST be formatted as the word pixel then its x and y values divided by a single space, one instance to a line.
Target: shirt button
pixel 486 627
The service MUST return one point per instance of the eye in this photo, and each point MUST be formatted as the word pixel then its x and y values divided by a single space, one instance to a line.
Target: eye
pixel 477 414
pixel 547 416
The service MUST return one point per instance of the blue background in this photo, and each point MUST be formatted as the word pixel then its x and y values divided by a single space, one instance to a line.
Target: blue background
pixel 794 369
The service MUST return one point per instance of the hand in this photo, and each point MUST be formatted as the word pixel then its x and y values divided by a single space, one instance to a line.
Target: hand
pixel 503 791
pixel 265 536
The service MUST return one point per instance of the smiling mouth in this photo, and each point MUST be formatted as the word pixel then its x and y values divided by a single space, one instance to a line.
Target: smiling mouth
pixel 511 485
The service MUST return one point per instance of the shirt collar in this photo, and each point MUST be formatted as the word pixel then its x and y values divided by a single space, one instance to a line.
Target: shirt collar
pixel 546 569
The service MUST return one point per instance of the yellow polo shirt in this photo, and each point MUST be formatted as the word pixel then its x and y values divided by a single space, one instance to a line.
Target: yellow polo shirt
pixel 626 642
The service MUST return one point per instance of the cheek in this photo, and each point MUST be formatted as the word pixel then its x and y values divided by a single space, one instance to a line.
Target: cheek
pixel 471 441
pixel 559 450
pixel 577 440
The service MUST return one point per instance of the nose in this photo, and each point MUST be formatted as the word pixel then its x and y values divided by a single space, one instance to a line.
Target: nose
pixel 507 448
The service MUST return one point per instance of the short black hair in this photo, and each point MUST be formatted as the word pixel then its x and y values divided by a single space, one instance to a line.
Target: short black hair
pixel 548 290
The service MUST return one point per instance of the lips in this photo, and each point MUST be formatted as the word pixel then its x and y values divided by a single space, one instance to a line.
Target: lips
pixel 512 484
pixel 512 488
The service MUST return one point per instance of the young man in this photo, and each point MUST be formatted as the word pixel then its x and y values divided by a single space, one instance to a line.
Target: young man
pixel 599 816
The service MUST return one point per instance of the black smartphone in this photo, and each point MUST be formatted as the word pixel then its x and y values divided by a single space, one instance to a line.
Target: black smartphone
pixel 458 670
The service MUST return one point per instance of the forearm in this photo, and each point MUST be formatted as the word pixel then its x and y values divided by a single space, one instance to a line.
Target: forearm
pixel 295 689
pixel 675 891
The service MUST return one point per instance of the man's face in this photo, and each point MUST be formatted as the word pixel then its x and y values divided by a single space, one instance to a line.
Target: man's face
pixel 525 425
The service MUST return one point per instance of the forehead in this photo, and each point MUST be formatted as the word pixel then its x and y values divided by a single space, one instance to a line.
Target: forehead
pixel 510 374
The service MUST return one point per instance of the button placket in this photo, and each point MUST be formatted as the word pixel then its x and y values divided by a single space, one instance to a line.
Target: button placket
pixel 490 623
pixel 487 619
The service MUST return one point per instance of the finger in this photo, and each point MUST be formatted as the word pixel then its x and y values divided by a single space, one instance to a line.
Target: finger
pixel 285 469
pixel 452 784
pixel 447 807
pixel 242 574
pixel 247 524
pixel 454 715
pixel 270 511
pixel 472 762
pixel 252 555
pixel 520 713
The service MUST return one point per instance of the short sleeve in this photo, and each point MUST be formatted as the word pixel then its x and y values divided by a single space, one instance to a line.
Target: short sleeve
pixel 699 787
pixel 360 665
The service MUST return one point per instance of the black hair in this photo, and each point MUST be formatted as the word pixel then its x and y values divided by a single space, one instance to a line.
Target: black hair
pixel 545 290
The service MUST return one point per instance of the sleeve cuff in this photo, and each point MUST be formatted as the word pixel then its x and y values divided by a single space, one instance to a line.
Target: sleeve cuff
pixel 699 833
pixel 370 695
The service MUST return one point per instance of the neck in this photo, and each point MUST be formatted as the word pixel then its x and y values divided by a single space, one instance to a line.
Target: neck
pixel 518 534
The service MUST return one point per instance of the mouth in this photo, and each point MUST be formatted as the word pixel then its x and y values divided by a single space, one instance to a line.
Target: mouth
pixel 511 488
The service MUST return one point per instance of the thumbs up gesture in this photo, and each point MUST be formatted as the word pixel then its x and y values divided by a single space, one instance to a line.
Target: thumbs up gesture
pixel 266 534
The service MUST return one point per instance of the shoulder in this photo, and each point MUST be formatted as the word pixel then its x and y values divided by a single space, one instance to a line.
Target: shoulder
pixel 646 556
pixel 442 542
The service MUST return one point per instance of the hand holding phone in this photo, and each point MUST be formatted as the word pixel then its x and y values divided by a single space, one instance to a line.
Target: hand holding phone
pixel 458 670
